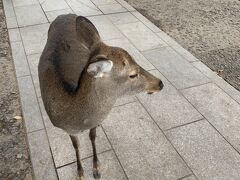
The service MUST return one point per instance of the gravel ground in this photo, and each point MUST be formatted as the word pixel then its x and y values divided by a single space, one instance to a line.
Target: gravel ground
pixel 14 157
pixel 210 30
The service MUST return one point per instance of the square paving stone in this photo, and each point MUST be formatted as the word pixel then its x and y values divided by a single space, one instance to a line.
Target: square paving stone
pixel 139 58
pixel 230 90
pixel 142 37
pixel 145 21
pixel 112 8
pixel 8 8
pixel 14 35
pixel 34 38
pixel 168 107
pixel 105 27
pixel 19 58
pixel 83 7
pixel 192 177
pixel 62 148
pixel 141 147
pixel 52 5
pixel 110 168
pixel 11 22
pixel 17 3
pixel 30 15
pixel 33 61
pixel 103 2
pixel 31 112
pixel 87 11
pixel 51 15
pixel 122 18
pixel 219 109
pixel 41 157
pixel 126 5
pixel 205 151
pixel 176 69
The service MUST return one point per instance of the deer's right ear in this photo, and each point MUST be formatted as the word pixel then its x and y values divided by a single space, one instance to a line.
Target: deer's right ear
pixel 100 68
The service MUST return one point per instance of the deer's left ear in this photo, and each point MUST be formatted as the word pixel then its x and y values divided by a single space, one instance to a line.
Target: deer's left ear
pixel 99 68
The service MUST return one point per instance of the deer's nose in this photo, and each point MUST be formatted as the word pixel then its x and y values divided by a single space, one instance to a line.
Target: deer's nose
pixel 161 85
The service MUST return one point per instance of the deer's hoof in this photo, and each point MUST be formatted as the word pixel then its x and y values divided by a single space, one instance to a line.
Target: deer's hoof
pixel 96 173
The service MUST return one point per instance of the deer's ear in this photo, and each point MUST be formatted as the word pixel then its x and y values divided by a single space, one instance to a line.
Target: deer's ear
pixel 100 68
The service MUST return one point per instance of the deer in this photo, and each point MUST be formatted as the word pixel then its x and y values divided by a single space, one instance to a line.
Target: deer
pixel 81 78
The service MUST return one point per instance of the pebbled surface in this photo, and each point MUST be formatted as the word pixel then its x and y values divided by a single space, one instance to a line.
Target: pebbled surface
pixel 14 156
pixel 210 30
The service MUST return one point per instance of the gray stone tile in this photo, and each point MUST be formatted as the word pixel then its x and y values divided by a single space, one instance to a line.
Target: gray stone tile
pixel 30 108
pixel 103 2
pixel 122 18
pixel 192 177
pixel 142 37
pixel 34 38
pixel 52 5
pixel 105 27
pixel 125 100
pixel 11 22
pixel 41 157
pixel 176 69
pixel 8 8
pixel 168 107
pixel 14 35
pixel 87 11
pixel 205 151
pixel 126 5
pixel 62 148
pixel 51 15
pixel 110 168
pixel 177 47
pixel 140 146
pixel 230 90
pixel 48 124
pixel 139 58
pixel 33 63
pixel 220 109
pixel 145 21
pixel 112 8
pixel 17 3
pixel 30 15
pixel 20 60
pixel 83 7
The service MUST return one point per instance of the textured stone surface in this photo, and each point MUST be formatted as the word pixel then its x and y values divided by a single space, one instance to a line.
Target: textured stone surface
pixel 205 151
pixel 216 106
pixel 30 108
pixel 111 8
pixel 110 168
pixel 139 58
pixel 51 15
pixel 14 35
pixel 168 107
pixel 176 69
pixel 30 15
pixel 52 5
pixel 34 38
pixel 41 157
pixel 142 37
pixel 20 60
pixel 122 18
pixel 141 147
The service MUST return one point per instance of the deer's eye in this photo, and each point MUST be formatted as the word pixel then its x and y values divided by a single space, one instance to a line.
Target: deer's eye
pixel 133 76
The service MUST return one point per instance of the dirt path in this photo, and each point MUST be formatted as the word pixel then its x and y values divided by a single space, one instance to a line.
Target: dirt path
pixel 14 156
pixel 210 30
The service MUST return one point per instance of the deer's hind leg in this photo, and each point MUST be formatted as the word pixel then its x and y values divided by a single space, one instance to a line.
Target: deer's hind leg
pixel 76 145
pixel 96 164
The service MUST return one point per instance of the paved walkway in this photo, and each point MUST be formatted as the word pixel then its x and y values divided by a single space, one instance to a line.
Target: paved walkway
pixel 191 130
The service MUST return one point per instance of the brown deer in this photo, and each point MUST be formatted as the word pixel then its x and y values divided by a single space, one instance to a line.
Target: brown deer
pixel 81 79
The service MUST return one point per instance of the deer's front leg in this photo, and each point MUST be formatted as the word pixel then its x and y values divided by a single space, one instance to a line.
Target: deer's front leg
pixel 76 145
pixel 96 164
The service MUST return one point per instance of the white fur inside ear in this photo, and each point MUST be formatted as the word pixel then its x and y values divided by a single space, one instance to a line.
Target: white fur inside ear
pixel 97 69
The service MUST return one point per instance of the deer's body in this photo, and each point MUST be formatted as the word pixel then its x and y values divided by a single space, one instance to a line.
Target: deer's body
pixel 81 78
